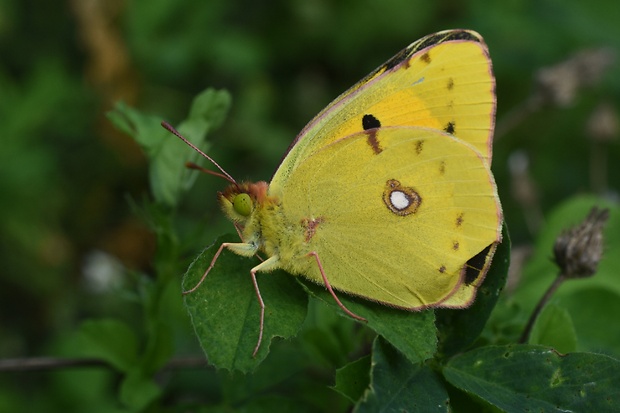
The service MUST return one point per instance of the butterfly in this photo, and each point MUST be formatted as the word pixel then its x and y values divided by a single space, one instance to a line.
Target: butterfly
pixel 387 194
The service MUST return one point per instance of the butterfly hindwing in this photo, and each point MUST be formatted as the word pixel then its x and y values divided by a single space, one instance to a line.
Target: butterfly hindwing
pixel 394 213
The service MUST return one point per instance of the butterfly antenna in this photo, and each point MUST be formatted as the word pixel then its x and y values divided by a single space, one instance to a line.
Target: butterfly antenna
pixel 224 174
pixel 192 165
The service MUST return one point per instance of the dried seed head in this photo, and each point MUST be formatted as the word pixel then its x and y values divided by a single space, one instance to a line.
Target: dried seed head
pixel 603 124
pixel 559 85
pixel 578 250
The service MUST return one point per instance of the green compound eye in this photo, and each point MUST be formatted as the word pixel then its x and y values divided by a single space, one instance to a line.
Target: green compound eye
pixel 242 204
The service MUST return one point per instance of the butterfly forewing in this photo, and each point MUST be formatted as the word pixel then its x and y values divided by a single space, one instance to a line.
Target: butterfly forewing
pixel 443 81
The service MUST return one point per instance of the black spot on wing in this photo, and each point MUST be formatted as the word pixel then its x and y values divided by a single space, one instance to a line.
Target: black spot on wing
pixel 459 220
pixel 450 127
pixel 370 125
pixel 450 84
pixel 419 146
pixel 370 122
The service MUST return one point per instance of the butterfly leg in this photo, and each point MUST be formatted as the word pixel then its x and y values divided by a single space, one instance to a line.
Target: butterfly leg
pixel 240 233
pixel 268 265
pixel 262 313
pixel 331 291
pixel 238 248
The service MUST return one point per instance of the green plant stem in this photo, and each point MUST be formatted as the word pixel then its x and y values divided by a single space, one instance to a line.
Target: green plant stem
pixel 545 298
pixel 59 363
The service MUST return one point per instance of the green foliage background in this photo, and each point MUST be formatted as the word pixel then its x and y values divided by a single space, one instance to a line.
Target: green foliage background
pixel 75 243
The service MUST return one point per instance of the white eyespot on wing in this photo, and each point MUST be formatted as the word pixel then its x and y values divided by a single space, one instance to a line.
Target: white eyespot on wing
pixel 399 200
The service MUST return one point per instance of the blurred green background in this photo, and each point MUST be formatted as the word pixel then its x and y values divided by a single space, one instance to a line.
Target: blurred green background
pixel 71 245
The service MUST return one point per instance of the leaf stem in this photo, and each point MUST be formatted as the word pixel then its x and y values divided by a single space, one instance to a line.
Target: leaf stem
pixel 541 304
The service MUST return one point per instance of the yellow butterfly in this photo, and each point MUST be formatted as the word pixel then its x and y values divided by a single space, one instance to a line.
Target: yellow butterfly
pixel 387 194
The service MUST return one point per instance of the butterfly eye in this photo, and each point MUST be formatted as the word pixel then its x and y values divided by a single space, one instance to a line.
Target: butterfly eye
pixel 242 204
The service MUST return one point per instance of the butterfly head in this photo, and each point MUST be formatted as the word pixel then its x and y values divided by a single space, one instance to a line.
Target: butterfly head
pixel 239 201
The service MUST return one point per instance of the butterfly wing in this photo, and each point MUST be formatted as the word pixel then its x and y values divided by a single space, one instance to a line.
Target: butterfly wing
pixel 394 213
pixel 442 81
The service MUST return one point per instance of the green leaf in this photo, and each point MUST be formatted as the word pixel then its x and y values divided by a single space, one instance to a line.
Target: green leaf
pixel 413 333
pixel 353 379
pixel 593 311
pixel 458 329
pixel 285 372
pixel 399 385
pixel 160 298
pixel 112 340
pixel 145 129
pixel 138 391
pixel 327 345
pixel 272 403
pixel 554 328
pixel 208 111
pixel 225 311
pixel 535 378
pixel 168 176
pixel 159 348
